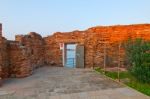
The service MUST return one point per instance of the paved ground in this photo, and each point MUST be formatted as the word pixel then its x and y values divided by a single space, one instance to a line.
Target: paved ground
pixel 65 83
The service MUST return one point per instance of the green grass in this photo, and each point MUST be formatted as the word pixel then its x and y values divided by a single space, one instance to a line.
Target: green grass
pixel 141 87
pixel 114 75
pixel 133 83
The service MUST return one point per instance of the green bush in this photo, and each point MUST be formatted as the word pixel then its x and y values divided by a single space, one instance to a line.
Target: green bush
pixel 138 54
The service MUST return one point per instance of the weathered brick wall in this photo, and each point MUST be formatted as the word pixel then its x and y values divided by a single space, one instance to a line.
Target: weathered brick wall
pixel 35 44
pixel 4 62
pixel 20 60
pixel 53 54
pixel 4 59
pixel 26 54
pixel 95 40
pixel 0 30
pixel 112 36
pixel 0 54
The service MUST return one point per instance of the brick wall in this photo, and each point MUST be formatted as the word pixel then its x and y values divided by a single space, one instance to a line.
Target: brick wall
pixel 95 40
pixel 0 54
pixel 4 59
pixel 35 44
pixel 112 36
pixel 53 54
pixel 20 60
pixel 0 30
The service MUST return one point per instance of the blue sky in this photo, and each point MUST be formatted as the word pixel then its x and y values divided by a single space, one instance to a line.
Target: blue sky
pixel 49 16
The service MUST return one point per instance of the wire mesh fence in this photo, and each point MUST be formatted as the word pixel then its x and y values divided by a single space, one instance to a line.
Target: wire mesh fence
pixel 111 57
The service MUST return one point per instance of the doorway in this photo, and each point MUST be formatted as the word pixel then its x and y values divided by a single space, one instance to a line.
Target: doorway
pixel 73 55
pixel 70 55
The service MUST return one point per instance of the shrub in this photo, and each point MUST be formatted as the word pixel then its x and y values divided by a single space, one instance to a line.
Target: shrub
pixel 138 54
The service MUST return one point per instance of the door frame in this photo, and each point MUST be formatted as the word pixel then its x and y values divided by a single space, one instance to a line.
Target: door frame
pixel 64 53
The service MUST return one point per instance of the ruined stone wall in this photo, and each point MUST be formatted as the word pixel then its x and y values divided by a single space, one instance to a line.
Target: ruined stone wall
pixel 110 37
pixel 20 60
pixel 53 54
pixel 35 45
pixel 0 30
pixel 4 58
pixel 96 40
pixel 1 54
pixel 25 54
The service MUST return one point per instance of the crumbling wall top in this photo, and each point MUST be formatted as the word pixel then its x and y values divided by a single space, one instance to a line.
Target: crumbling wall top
pixel 30 35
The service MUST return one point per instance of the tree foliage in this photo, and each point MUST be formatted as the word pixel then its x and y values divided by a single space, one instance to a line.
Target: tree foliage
pixel 138 54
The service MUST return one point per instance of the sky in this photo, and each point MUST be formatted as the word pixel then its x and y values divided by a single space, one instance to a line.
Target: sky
pixel 48 16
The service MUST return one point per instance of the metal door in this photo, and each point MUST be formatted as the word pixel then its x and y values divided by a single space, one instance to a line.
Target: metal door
pixel 80 56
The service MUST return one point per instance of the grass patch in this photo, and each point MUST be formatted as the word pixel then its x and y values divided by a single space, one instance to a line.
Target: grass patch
pixel 114 75
pixel 133 83
pixel 141 87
